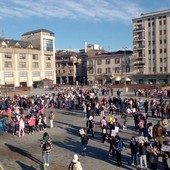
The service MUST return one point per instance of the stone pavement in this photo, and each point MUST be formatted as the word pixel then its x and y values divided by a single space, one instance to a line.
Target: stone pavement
pixel 24 153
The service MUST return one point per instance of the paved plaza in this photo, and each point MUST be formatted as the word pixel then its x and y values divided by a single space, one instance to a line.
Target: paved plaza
pixel 24 153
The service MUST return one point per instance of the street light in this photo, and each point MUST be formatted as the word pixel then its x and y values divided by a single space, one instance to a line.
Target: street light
pixel 122 62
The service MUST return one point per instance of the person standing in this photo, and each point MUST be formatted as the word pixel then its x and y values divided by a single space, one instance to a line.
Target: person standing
pixel 154 159
pixel 51 118
pixel 118 146
pixel 91 126
pixel 21 127
pixel 84 142
pixel 103 125
pixel 75 164
pixel 134 151
pixel 46 145
pixel 31 123
pixel 143 153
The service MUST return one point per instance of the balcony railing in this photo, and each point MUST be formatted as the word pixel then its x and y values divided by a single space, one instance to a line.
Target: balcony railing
pixel 139 65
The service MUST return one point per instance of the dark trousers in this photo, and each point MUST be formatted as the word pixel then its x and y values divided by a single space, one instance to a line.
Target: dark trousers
pixel 153 166
pixel 30 129
pixel 119 158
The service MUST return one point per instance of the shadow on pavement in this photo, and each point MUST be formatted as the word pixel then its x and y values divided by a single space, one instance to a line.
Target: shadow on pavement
pixel 92 151
pixel 23 153
pixel 25 167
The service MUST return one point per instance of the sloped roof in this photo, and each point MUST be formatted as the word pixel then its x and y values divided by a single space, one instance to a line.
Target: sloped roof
pixel 15 43
pixel 36 31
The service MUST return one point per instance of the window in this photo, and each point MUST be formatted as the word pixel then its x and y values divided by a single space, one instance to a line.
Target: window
pixel 117 60
pixel 160 41
pixel 160 60
pixel 149 24
pixel 164 50
pixel 8 74
pixel 22 56
pixel 107 61
pixel 127 69
pixel 35 65
pixel 48 65
pixel 149 52
pixel 99 62
pixel 153 51
pixel 164 32
pixel 8 56
pixel 161 69
pixel 22 64
pixel 164 41
pixel 8 64
pixel 48 73
pixel 99 70
pixel 165 60
pixel 48 57
pixel 164 22
pixel 153 23
pixel 91 71
pixel 127 60
pixel 160 32
pixel 117 69
pixel 160 50
pixel 165 68
pixel 160 22
pixel 35 73
pixel 91 63
pixel 23 74
pixel 108 70
pixel 48 45
pixel 58 71
pixel 35 56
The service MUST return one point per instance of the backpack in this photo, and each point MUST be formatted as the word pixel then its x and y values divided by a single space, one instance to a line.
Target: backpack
pixel 47 146
pixel 71 166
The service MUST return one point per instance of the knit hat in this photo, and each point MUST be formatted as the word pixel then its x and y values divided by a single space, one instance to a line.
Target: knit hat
pixel 75 157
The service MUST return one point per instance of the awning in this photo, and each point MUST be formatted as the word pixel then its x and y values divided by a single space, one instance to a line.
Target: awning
pixel 127 79
pixel 117 78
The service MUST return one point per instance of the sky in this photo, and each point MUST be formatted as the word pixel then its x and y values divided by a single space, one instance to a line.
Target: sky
pixel 104 22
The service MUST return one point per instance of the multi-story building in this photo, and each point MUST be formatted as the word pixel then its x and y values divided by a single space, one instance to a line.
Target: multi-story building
pixel 151 47
pixel 109 67
pixel 68 70
pixel 26 62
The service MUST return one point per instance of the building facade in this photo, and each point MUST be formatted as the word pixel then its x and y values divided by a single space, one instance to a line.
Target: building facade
pixel 68 70
pixel 151 47
pixel 25 62
pixel 109 67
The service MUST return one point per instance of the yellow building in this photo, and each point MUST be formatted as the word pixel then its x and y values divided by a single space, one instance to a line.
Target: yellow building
pixel 25 62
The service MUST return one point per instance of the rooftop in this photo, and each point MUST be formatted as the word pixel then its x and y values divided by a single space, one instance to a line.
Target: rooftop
pixel 37 31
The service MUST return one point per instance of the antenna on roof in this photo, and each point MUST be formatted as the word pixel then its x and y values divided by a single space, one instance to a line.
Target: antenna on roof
pixel 3 35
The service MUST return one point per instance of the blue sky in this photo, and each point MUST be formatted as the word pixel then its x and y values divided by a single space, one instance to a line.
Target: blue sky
pixel 104 22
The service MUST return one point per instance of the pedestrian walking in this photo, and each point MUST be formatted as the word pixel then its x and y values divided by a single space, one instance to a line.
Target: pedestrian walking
pixel 75 163
pixel 46 145
pixel 84 141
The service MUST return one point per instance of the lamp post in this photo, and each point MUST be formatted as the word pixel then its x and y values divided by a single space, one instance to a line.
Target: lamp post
pixel 123 62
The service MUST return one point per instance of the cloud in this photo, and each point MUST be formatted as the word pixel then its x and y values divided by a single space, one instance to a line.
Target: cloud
pixel 90 10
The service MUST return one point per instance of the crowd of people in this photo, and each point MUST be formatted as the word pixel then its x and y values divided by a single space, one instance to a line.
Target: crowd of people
pixel 22 115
